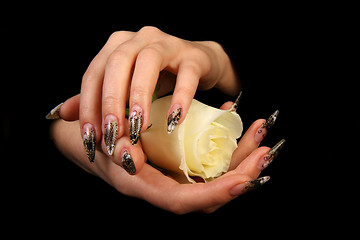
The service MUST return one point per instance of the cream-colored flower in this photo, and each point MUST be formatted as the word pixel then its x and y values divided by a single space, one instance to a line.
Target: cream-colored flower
pixel 201 146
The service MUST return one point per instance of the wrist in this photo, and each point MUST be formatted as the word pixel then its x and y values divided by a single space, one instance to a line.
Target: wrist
pixel 226 79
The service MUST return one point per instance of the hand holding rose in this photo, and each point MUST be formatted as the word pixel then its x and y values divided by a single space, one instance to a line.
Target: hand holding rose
pixel 125 71
pixel 150 184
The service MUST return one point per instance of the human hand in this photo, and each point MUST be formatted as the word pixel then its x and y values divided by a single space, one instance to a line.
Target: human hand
pixel 163 190
pixel 126 72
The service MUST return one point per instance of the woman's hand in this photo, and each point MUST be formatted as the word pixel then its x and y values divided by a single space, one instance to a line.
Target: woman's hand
pixel 125 73
pixel 163 190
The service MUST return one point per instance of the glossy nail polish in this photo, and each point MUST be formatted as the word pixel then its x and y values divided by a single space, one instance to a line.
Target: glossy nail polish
pixel 135 124
pixel 54 113
pixel 111 131
pixel 271 155
pixel 89 140
pixel 248 186
pixel 236 103
pixel 173 119
pixel 265 128
pixel 127 163
pixel 254 184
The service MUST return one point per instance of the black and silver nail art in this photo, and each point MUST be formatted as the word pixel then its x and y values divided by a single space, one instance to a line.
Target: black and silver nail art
pixel 254 184
pixel 173 120
pixel 89 141
pixel 54 113
pixel 127 163
pixel 271 120
pixel 265 127
pixel 272 154
pixel 110 136
pixel 135 122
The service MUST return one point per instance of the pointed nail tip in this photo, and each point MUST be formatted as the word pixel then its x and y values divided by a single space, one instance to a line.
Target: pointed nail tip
pixel 54 113
pixel 265 179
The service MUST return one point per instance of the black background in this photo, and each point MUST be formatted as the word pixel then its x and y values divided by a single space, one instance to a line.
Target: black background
pixel 282 59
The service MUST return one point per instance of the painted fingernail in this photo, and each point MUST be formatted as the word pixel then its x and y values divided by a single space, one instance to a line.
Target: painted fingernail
pixel 236 103
pixel 135 122
pixel 271 155
pixel 255 184
pixel 89 140
pixel 54 113
pixel 111 129
pixel 173 119
pixel 127 163
pixel 265 128
pixel 248 186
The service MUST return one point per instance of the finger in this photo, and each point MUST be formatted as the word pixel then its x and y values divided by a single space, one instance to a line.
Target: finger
pixel 91 93
pixel 246 145
pixel 116 88
pixel 149 62
pixel 130 157
pixel 252 138
pixel 227 105
pixel 165 193
pixel 186 84
pixel 69 111
pixel 259 159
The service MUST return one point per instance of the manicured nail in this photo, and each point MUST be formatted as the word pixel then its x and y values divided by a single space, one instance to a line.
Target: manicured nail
pixel 236 103
pixel 89 140
pixel 127 163
pixel 248 186
pixel 54 113
pixel 174 118
pixel 271 155
pixel 135 122
pixel 265 128
pixel 111 132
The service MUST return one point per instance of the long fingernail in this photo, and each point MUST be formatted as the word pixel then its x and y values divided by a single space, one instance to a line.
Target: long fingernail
pixel 135 122
pixel 111 132
pixel 127 163
pixel 265 128
pixel 174 118
pixel 89 140
pixel 271 155
pixel 248 186
pixel 254 184
pixel 54 113
pixel 236 103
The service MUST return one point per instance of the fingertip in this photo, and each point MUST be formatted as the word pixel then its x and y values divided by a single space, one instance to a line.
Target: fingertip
pixel 131 158
pixel 69 111
pixel 227 105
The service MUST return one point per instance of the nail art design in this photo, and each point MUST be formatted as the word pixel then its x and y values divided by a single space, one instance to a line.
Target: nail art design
pixel 254 184
pixel 173 120
pixel 272 154
pixel 54 113
pixel 236 103
pixel 127 163
pixel 88 136
pixel 265 128
pixel 135 122
pixel 111 133
pixel 248 186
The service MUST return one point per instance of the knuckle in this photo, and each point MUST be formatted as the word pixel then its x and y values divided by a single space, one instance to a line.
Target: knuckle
pixel 110 101
pixel 149 30
pixel 120 35
pixel 151 51
pixel 117 56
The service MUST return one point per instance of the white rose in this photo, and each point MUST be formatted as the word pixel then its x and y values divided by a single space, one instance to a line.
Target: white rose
pixel 201 146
